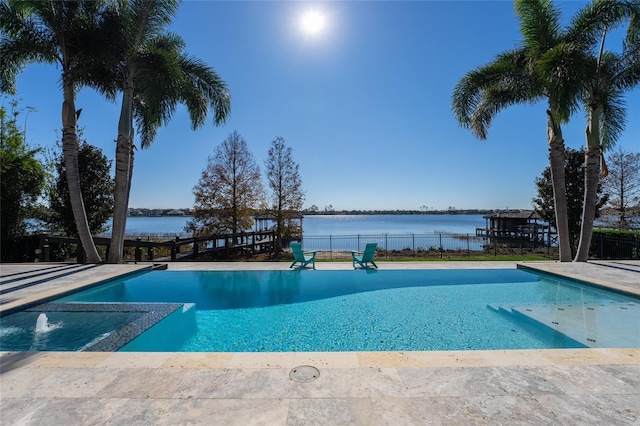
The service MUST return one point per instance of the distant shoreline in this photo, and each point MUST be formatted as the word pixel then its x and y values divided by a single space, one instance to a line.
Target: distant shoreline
pixel 187 213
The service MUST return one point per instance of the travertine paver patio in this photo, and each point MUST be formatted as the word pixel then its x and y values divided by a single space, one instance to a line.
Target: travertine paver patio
pixel 567 386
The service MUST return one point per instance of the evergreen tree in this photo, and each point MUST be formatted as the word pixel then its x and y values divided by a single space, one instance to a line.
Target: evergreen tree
pixel 96 185
pixel 574 175
pixel 22 179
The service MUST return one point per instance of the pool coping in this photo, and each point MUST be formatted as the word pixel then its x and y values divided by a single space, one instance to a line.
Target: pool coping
pixel 60 285
pixel 556 270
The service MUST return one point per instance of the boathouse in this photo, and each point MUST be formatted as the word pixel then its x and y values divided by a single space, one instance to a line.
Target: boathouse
pixel 267 220
pixel 518 226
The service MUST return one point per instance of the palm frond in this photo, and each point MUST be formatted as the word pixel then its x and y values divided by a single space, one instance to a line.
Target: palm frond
pixel 597 17
pixel 24 41
pixel 564 69
pixel 204 89
pixel 540 25
pixel 628 71
pixel 158 82
pixel 632 38
pixel 149 18
pixel 614 118
pixel 147 123
pixel 485 91
pixel 166 77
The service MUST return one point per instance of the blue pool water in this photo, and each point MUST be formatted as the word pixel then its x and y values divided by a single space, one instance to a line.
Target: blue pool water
pixel 272 311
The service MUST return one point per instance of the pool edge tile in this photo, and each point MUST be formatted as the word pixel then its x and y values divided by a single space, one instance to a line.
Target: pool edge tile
pixel 590 356
pixel 134 359
pixel 327 359
pixel 421 359
pixel 196 360
pixel 262 360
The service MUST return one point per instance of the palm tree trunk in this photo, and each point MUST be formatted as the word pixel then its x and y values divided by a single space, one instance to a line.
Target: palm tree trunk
pixel 70 151
pixel 556 161
pixel 591 180
pixel 122 177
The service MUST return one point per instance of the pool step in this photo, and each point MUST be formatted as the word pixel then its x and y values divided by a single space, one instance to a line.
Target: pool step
pixel 608 325
pixel 501 309
pixel 40 275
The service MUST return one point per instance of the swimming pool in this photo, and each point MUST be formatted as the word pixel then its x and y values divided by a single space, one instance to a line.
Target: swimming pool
pixel 273 311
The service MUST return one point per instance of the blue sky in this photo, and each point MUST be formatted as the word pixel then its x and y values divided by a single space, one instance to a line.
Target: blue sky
pixel 365 104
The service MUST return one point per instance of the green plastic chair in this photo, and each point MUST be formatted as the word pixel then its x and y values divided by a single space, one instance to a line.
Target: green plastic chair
pixel 364 258
pixel 302 257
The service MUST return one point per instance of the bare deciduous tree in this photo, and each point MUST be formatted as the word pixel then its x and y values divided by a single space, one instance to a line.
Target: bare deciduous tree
pixel 228 191
pixel 623 184
pixel 284 181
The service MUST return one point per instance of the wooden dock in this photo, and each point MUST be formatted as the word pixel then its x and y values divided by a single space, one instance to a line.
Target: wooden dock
pixel 246 243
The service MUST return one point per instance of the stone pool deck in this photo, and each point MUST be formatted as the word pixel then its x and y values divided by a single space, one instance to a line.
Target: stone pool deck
pixel 564 386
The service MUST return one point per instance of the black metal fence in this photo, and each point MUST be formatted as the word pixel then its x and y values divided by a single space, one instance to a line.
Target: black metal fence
pixel 42 247
pixel 395 242
pixel 421 244
pixel 613 247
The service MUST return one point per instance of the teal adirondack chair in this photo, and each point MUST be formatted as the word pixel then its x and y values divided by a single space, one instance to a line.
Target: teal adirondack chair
pixel 364 258
pixel 302 257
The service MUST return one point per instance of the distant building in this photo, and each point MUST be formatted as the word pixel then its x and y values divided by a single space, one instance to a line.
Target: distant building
pixel 175 212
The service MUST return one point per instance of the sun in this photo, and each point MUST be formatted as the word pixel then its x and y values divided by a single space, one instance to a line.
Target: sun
pixel 312 22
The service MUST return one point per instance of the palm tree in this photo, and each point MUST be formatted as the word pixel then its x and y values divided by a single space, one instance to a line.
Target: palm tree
pixel 551 64
pixel 610 76
pixel 67 33
pixel 513 78
pixel 154 75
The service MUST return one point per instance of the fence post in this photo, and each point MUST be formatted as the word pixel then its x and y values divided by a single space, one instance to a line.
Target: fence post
pixel 44 246
pixel 413 244
pixel 253 243
pixel 549 241
pixel 386 245
pixel 330 248
pixel 80 253
pixel 468 248
pixel 137 254
pixel 601 248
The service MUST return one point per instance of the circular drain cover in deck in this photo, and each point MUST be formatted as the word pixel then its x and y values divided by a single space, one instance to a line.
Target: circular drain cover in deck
pixel 304 374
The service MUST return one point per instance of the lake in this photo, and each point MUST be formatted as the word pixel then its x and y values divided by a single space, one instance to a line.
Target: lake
pixel 331 224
